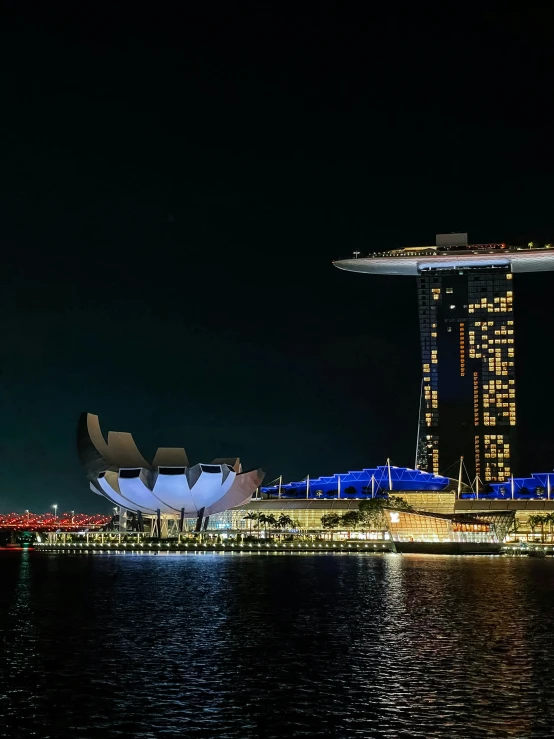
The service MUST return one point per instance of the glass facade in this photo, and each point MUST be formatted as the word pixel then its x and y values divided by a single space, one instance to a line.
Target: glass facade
pixel 468 405
pixel 480 527
pixel 308 513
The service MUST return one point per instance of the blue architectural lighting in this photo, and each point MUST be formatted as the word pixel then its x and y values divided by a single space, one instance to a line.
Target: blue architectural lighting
pixel 362 484
pixel 374 481
pixel 539 485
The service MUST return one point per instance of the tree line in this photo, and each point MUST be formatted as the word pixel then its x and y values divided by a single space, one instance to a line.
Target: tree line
pixel 539 521
pixel 370 514
pixel 271 522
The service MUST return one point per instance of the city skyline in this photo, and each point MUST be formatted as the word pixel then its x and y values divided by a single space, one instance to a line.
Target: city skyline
pixel 177 183
pixel 338 376
pixel 169 237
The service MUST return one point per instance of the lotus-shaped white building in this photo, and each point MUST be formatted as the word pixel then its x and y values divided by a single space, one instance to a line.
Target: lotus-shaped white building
pixel 168 486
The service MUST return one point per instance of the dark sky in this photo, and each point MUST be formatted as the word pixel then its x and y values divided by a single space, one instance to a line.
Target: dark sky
pixel 174 187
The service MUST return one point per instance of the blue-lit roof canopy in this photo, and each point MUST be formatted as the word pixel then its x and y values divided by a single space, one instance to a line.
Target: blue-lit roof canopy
pixel 362 483
pixel 375 481
pixel 539 485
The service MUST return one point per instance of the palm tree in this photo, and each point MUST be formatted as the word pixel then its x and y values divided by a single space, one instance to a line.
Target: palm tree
pixel 267 519
pixel 549 519
pixel 542 521
pixel 285 522
pixel 535 521
pixel 251 516
pixel 270 521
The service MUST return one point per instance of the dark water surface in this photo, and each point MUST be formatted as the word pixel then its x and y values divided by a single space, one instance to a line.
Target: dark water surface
pixel 247 646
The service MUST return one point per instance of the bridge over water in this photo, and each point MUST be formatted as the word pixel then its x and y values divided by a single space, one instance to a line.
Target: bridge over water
pixel 13 525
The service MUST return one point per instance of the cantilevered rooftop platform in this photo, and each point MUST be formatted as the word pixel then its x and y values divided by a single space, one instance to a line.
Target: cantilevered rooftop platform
pixel 415 260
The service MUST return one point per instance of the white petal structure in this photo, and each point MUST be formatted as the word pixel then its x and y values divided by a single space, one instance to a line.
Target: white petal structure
pixel 109 485
pixel 167 486
pixel 171 488
pixel 209 482
pixel 133 486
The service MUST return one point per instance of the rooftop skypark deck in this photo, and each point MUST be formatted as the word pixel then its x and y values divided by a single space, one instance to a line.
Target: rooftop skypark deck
pixel 413 260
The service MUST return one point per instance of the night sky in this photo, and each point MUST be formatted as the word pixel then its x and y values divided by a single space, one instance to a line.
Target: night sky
pixel 174 187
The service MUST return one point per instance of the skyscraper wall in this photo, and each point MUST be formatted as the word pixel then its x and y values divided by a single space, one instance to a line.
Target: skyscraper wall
pixel 468 405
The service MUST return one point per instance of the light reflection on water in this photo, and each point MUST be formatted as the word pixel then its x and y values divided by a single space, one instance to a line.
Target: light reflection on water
pixel 276 646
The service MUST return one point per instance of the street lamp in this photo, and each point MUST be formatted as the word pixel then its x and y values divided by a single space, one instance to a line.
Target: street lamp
pixel 27 512
pixel 55 507
pixel 72 517
pixel 356 254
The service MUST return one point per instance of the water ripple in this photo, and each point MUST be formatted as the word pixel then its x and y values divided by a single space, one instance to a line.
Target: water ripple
pixel 268 646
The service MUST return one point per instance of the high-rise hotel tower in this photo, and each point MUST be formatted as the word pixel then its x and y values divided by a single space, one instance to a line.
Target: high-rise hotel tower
pixel 468 347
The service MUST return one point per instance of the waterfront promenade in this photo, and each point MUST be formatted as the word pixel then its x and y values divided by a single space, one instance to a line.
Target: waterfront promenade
pixel 352 546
